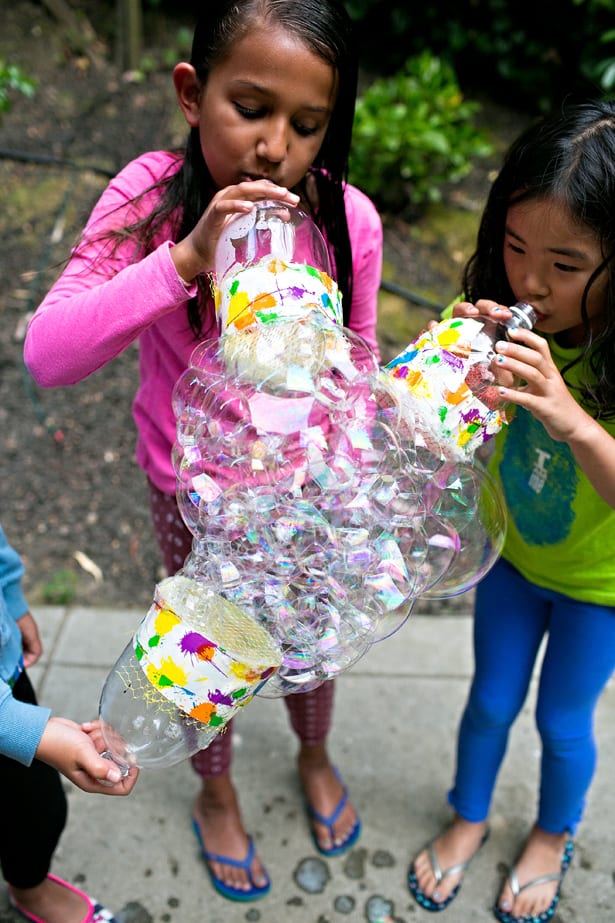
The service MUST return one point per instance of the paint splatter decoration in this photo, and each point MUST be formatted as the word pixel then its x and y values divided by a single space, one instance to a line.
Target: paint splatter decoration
pixel 445 384
pixel 279 311
pixel 202 652
pixel 194 660
pixel 274 290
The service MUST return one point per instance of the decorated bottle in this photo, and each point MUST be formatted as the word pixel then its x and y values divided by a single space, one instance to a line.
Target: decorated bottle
pixel 449 383
pixel 194 660
pixel 484 378
pixel 275 298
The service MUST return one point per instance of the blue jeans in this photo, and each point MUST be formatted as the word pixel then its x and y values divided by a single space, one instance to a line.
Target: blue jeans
pixel 511 618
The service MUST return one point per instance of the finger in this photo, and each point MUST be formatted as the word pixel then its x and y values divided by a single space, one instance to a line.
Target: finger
pixel 266 189
pixel 516 352
pixel 521 335
pixel 492 308
pixel 251 192
pixel 519 371
pixel 464 309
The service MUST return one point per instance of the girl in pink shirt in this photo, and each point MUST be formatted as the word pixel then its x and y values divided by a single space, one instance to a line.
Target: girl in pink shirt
pixel 269 98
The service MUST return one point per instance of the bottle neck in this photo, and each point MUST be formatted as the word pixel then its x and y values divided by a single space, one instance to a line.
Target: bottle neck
pixel 523 315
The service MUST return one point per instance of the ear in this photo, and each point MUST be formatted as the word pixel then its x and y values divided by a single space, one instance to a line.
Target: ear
pixel 188 90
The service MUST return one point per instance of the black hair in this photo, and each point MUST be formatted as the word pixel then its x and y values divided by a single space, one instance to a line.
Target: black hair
pixel 326 29
pixel 567 157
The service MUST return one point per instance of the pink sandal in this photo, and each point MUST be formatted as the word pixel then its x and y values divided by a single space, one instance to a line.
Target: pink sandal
pixel 96 913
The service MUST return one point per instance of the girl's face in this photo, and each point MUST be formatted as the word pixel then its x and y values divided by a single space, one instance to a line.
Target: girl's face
pixel 549 258
pixel 264 110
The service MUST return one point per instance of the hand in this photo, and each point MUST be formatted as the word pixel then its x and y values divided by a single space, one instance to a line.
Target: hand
pixel 74 750
pixel 30 639
pixel 544 393
pixel 195 254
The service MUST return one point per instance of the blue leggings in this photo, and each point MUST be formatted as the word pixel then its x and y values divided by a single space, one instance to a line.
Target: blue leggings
pixel 512 616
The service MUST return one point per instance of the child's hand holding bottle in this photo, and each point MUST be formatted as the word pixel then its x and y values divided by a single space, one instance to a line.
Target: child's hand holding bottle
pixel 75 751
pixel 195 254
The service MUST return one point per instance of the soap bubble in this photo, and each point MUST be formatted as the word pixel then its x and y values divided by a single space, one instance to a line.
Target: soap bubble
pixel 468 505
pixel 316 506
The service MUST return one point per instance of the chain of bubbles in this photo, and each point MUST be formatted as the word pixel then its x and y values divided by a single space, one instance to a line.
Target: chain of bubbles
pixel 313 504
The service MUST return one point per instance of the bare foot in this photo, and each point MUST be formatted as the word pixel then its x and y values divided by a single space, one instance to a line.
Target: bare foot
pixel 542 856
pixel 324 791
pixel 52 902
pixel 457 845
pixel 216 812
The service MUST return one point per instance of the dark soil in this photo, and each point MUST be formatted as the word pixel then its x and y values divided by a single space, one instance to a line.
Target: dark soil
pixel 74 501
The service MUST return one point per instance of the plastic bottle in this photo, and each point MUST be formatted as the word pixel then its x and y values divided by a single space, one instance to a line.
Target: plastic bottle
pixel 192 662
pixel 523 315
pixel 448 382
pixel 483 377
pixel 276 302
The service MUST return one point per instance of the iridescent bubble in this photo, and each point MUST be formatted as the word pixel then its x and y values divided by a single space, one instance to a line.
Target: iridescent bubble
pixel 471 511
pixel 316 504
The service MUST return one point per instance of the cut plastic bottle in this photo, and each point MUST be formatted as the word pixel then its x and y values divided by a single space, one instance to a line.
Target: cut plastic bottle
pixel 194 660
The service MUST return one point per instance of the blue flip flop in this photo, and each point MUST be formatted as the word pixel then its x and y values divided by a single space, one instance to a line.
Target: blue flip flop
pixel 505 917
pixel 233 894
pixel 427 903
pixel 329 822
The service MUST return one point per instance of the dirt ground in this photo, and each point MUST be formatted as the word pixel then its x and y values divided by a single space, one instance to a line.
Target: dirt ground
pixel 73 500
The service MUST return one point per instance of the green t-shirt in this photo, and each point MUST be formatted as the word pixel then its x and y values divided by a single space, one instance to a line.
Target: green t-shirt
pixel 561 534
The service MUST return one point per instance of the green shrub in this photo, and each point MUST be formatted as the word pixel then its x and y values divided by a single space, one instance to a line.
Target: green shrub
pixel 413 132
pixel 601 68
pixel 528 55
pixel 12 78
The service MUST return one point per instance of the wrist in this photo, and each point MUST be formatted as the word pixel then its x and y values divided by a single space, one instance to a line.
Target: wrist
pixel 187 264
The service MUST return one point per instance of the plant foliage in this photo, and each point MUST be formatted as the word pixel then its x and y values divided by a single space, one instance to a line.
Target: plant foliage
pixel 413 132
pixel 12 78
pixel 526 53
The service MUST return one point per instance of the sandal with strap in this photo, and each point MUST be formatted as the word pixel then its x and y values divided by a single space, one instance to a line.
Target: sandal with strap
pixel 233 894
pixel 94 912
pixel 329 822
pixel 505 917
pixel 427 903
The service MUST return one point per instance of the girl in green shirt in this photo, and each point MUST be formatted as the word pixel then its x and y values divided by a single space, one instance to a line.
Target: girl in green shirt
pixel 547 237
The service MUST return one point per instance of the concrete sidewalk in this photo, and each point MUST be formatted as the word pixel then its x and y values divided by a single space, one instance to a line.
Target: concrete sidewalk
pixel 393 740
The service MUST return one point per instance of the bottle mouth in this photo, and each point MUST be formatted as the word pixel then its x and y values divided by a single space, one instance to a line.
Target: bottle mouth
pixel 524 314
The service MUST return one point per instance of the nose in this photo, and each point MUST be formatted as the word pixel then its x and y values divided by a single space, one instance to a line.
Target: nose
pixel 273 146
pixel 535 285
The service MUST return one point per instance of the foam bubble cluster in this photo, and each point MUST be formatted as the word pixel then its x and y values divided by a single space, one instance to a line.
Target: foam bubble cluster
pixel 314 505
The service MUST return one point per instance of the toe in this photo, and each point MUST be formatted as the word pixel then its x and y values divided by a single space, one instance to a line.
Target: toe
pixel 423 873
pixel 505 901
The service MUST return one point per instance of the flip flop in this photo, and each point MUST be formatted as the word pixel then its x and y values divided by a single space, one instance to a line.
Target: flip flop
pixel 233 894
pixel 505 917
pixel 329 822
pixel 96 913
pixel 427 903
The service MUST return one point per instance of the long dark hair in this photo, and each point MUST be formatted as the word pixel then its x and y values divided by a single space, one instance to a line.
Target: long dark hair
pixel 567 157
pixel 326 29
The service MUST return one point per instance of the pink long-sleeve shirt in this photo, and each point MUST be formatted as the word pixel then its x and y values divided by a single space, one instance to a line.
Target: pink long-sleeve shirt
pixel 97 308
